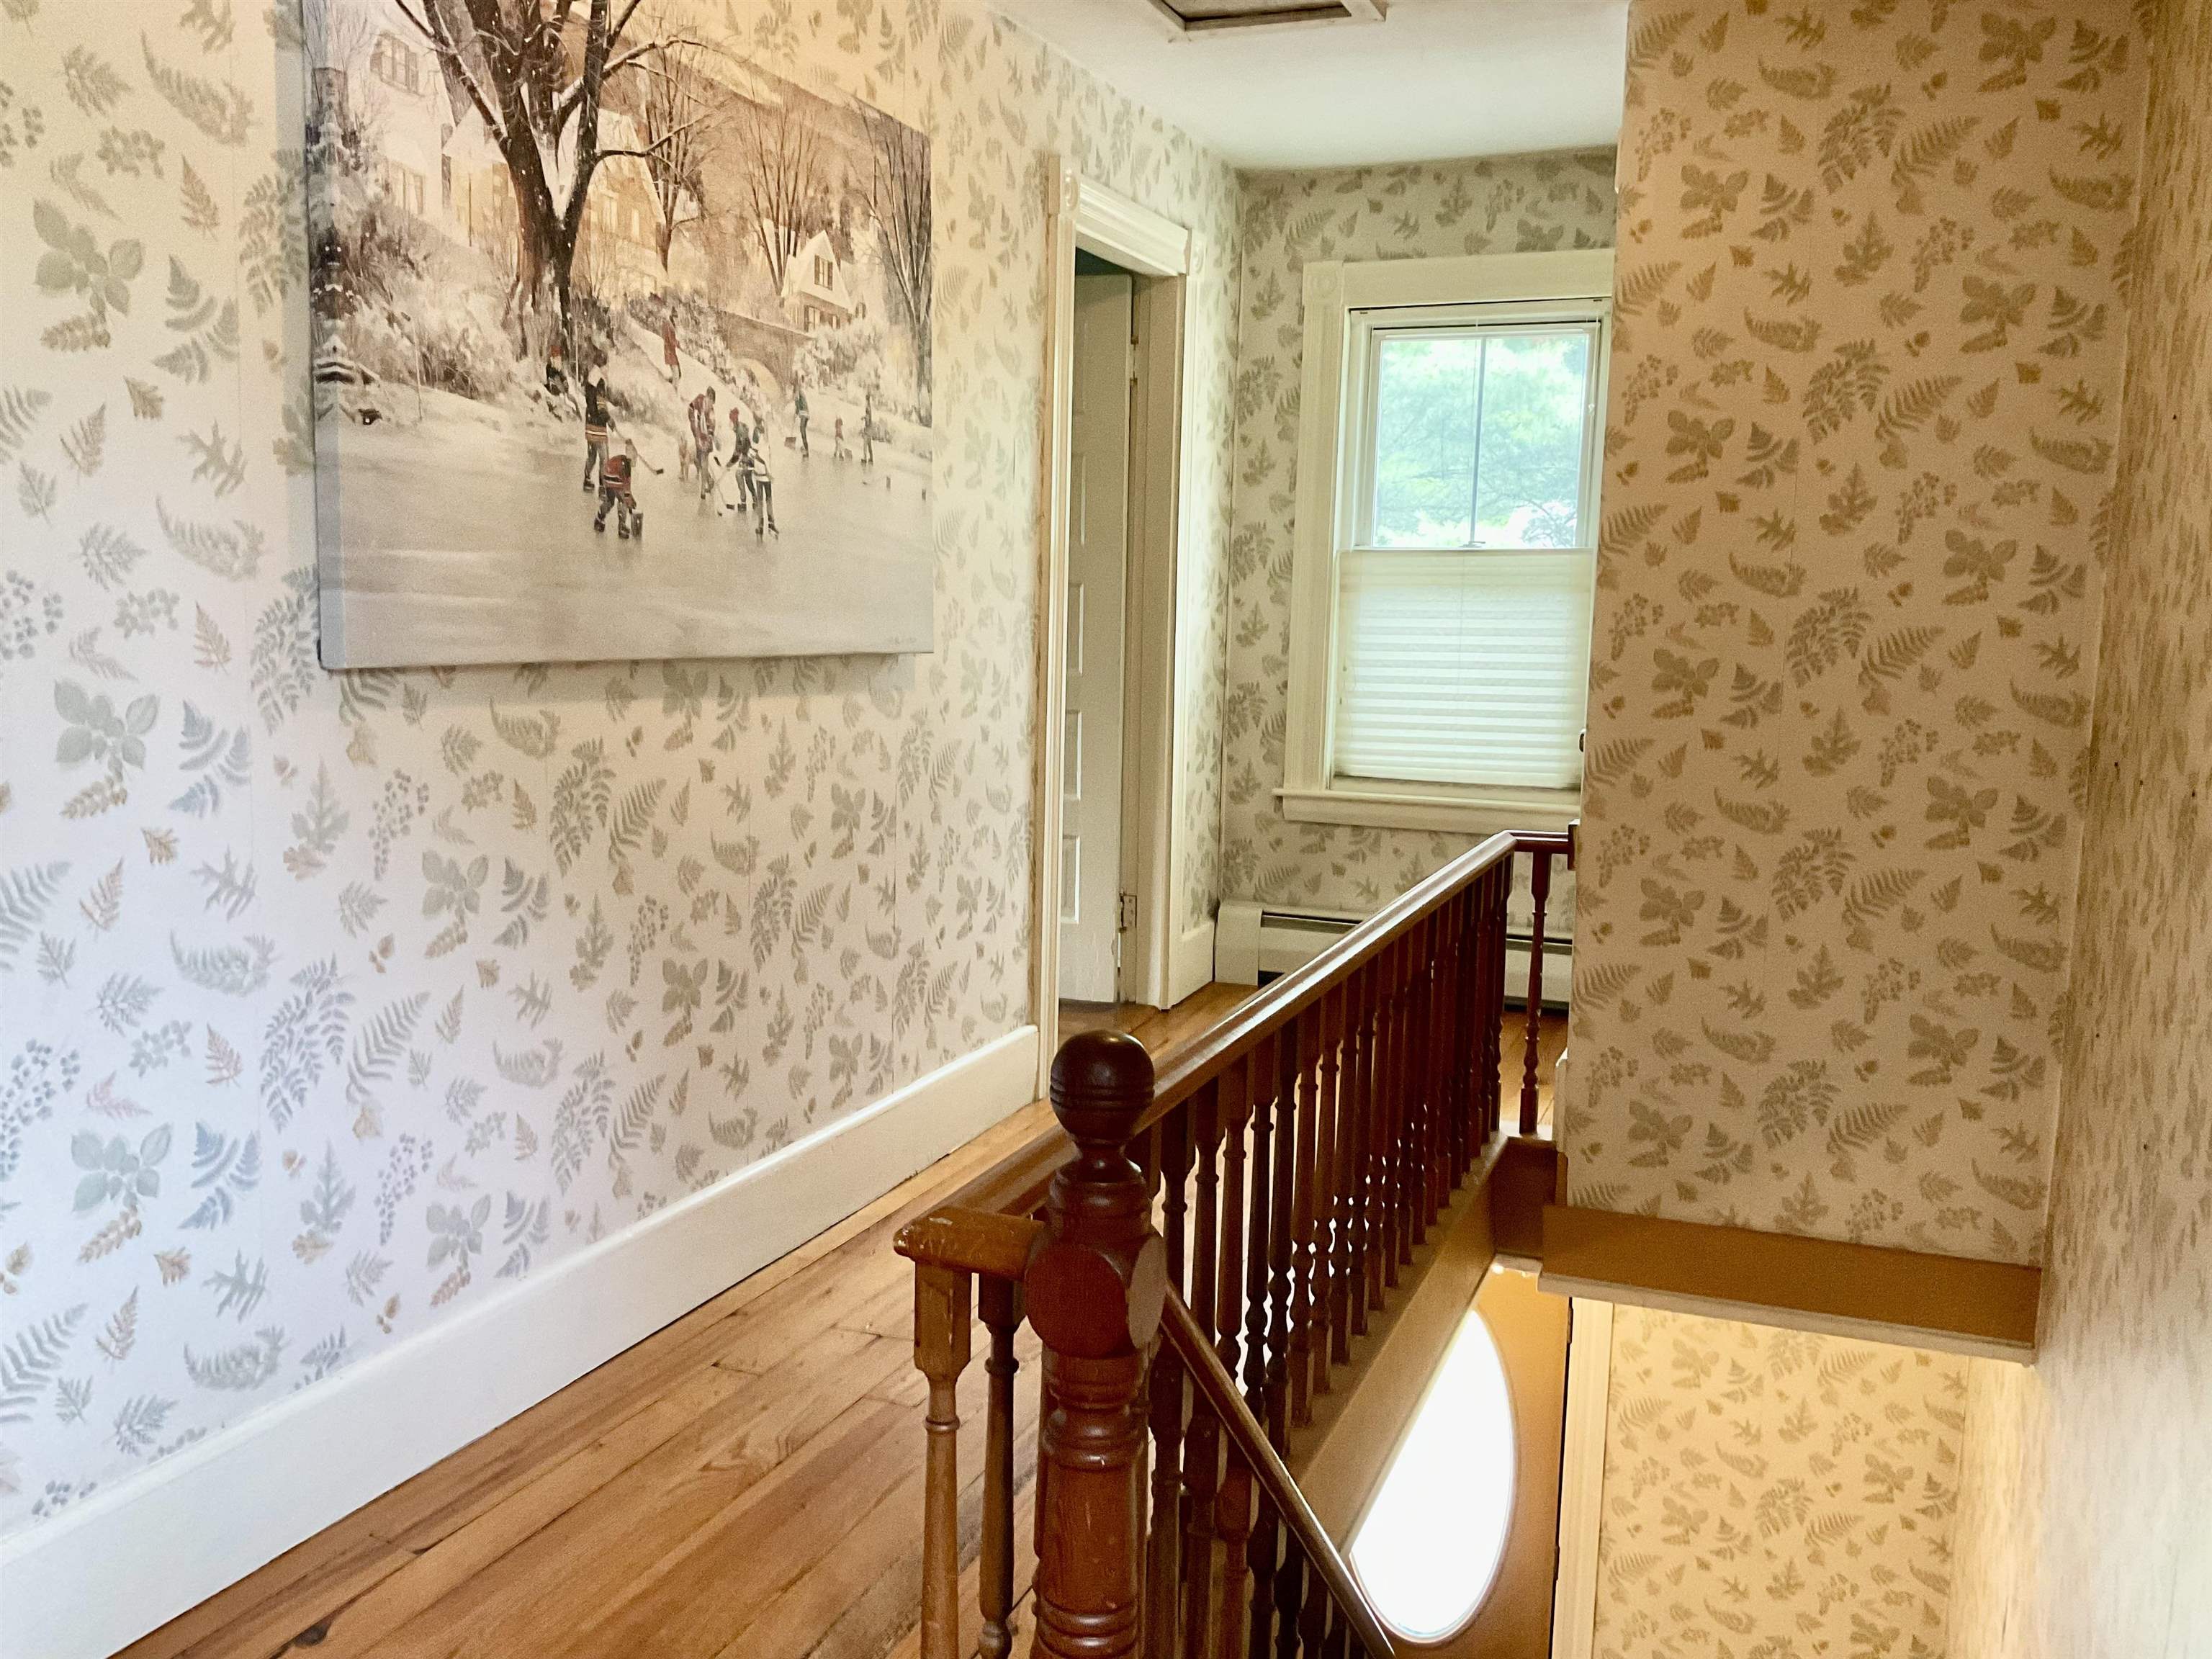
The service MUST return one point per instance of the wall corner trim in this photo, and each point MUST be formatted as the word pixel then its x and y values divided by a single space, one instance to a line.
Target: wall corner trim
pixel 1951 1304
pixel 204 1518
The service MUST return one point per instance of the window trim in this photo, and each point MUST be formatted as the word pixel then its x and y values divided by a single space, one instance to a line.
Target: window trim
pixel 1329 465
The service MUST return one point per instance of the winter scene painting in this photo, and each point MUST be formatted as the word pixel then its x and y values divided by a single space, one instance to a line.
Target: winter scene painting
pixel 623 343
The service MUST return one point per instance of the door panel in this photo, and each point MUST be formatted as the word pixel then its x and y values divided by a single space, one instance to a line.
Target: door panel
pixel 1097 556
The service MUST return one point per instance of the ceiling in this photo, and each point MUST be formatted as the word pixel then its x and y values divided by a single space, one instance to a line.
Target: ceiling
pixel 1436 78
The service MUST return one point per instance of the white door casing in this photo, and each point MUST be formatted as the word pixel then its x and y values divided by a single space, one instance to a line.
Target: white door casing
pixel 1097 563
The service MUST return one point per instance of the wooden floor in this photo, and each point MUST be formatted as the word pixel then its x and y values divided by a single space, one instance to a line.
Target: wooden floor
pixel 745 1482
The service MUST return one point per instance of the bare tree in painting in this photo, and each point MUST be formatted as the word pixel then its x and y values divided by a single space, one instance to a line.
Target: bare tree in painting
pixel 779 166
pixel 536 72
pixel 898 200
pixel 678 108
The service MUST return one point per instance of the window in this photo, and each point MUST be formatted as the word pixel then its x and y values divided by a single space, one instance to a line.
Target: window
pixel 330 92
pixel 825 272
pixel 1447 513
pixel 396 64
pixel 403 184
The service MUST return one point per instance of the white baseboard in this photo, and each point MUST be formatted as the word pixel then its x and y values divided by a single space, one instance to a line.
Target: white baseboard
pixel 133 1557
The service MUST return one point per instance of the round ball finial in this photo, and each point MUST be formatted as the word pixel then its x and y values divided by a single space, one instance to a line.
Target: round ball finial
pixel 1102 1081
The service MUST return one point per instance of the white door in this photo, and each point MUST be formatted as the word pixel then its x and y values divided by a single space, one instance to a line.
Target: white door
pixel 1097 559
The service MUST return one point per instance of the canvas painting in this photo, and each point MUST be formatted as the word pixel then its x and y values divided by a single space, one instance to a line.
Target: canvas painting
pixel 622 342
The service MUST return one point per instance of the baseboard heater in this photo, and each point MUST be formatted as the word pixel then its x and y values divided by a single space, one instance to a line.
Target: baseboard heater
pixel 1253 943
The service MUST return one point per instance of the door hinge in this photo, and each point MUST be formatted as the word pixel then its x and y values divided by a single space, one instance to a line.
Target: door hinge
pixel 1126 917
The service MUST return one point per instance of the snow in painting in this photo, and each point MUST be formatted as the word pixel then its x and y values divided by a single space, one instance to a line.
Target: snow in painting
pixel 622 343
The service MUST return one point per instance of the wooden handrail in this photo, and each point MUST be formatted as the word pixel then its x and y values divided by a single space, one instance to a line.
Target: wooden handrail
pixel 1249 1440
pixel 1016 1184
pixel 966 1241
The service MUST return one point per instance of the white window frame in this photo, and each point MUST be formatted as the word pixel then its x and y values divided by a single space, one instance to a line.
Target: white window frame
pixel 1344 303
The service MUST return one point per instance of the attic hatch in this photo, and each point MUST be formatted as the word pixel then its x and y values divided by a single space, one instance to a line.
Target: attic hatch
pixel 1205 16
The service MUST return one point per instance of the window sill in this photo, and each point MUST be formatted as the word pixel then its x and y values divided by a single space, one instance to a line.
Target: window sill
pixel 1472 812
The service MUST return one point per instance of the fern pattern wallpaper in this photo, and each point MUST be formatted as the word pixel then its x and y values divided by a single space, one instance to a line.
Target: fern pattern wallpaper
pixel 333 1003
pixel 2086 1529
pixel 1771 1494
pixel 1872 290
pixel 1501 204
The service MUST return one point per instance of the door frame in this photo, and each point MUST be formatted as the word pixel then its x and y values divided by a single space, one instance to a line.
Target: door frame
pixel 1582 1477
pixel 1083 213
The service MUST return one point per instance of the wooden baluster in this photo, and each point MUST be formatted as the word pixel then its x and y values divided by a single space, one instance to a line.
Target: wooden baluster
pixel 1462 1030
pixel 1387 1150
pixel 1321 1240
pixel 1403 1042
pixel 941 1330
pixel 1234 1098
pixel 1343 1165
pixel 1164 1531
pixel 1305 1204
pixel 1409 1073
pixel 1352 1245
pixel 1493 1027
pixel 1470 1051
pixel 1440 1065
pixel 1540 890
pixel 1488 970
pixel 1262 1077
pixel 1165 1539
pixel 1202 1440
pixel 1314 1610
pixel 1234 1520
pixel 1266 1562
pixel 1202 1491
pixel 1340 1642
pixel 1372 1149
pixel 1096 1283
pixel 1427 1073
pixel 1290 1597
pixel 1001 1300
pixel 1282 1207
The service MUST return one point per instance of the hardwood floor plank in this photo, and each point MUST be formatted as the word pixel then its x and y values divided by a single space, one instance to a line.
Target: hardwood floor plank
pixel 475 1546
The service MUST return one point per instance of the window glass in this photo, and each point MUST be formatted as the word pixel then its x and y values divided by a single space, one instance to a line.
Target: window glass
pixel 1479 436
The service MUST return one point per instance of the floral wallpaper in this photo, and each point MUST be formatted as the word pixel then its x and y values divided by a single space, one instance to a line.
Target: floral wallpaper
pixel 1430 211
pixel 333 1003
pixel 1872 289
pixel 1770 1494
pixel 2087 1532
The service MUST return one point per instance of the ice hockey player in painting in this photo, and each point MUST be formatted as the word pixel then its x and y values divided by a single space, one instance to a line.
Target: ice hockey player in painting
pixel 615 475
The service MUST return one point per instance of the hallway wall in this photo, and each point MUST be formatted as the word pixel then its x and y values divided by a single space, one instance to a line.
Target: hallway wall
pixel 2086 1527
pixel 333 1005
pixel 1436 209
pixel 1772 1492
pixel 1872 292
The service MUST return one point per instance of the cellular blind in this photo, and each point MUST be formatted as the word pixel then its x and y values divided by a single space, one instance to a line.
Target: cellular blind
pixel 1463 665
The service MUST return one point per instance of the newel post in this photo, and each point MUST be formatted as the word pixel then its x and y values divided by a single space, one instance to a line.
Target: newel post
pixel 1096 1285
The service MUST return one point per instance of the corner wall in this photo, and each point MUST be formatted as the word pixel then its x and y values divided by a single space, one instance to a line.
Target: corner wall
pixel 1771 1492
pixel 2086 1526
pixel 1871 297
pixel 366 1007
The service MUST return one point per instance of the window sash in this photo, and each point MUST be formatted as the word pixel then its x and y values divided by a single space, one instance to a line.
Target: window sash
pixel 1460 701
pixel 1374 329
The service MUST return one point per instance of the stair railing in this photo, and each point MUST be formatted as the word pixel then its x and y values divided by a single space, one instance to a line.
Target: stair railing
pixel 1196 1251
